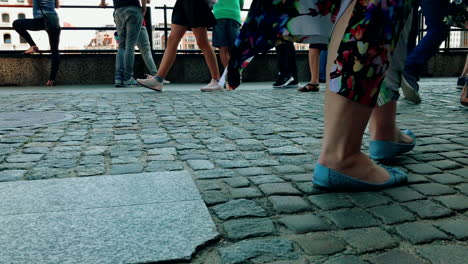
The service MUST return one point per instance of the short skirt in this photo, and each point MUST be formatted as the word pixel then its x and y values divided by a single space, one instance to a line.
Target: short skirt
pixel 193 14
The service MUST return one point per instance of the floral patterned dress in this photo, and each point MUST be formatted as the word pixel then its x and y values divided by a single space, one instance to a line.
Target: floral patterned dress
pixel 364 53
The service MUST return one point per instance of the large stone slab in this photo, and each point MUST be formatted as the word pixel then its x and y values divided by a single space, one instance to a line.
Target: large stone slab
pixel 149 217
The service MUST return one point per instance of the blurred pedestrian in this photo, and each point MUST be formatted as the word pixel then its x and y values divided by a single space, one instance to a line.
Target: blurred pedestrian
pixel 287 66
pixel 44 18
pixel 192 15
pixel 128 17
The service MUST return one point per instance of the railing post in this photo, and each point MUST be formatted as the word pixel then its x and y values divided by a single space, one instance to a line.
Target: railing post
pixel 165 26
pixel 149 27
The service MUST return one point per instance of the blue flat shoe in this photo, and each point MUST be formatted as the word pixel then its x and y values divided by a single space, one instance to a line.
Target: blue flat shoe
pixel 381 149
pixel 327 178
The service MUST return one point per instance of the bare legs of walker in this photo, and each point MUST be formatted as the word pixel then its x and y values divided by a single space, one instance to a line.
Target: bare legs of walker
pixel 314 62
pixel 177 32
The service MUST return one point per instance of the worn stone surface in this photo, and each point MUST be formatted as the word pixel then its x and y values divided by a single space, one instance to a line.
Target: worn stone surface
pixel 351 218
pixel 396 256
pixel 87 216
pixel 419 232
pixel 252 137
pixel 260 250
pixel 320 244
pixel 288 204
pixel 368 239
pixel 244 228
pixel 440 254
pixel 455 227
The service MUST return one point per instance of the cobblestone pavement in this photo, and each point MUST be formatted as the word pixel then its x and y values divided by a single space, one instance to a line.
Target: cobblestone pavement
pixel 251 153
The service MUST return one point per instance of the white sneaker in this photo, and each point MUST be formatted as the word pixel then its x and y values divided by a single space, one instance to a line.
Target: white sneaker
pixel 213 86
pixel 149 76
pixel 152 84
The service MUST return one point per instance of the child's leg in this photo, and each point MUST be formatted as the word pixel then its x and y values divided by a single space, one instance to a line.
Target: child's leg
pixel 202 41
pixel 177 32
pixel 224 55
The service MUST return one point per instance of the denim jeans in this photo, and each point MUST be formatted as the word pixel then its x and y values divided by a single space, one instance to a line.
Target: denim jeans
pixel 323 65
pixel 143 45
pixel 128 21
pixel 434 12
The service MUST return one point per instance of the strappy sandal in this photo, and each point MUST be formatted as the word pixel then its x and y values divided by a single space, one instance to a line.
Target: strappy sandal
pixel 310 87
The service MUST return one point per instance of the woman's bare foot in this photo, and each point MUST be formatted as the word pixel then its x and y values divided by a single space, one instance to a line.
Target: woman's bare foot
pixel 31 50
pixel 395 136
pixel 357 166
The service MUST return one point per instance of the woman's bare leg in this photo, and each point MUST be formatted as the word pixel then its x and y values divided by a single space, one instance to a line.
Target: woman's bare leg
pixel 177 32
pixel 210 57
pixel 314 61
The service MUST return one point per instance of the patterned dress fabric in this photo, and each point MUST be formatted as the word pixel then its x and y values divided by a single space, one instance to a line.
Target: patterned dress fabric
pixel 364 52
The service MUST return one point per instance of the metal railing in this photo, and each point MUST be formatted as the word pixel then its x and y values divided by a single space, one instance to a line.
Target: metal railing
pixel 166 30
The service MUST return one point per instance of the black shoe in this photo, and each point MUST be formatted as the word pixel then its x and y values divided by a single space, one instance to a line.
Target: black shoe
pixel 286 82
pixel 461 82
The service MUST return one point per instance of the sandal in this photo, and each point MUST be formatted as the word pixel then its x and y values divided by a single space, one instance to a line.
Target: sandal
pixel 310 87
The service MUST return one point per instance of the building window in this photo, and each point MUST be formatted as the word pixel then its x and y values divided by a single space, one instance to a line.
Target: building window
pixel 7 38
pixel 5 18
pixel 21 16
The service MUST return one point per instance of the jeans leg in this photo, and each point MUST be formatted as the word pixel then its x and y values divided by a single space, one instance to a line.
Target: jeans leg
pixel 134 19
pixel 323 65
pixel 143 45
pixel 23 25
pixel 434 12
pixel 54 40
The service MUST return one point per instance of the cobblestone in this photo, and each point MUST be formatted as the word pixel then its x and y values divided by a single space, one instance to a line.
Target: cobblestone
pixel 419 232
pixel 245 228
pixel 251 154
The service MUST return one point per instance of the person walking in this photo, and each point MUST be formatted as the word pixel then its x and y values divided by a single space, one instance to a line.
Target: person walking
pixel 44 18
pixel 128 17
pixel 437 31
pixel 287 66
pixel 197 16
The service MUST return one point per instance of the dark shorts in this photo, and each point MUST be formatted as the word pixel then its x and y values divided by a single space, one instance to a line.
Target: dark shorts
pixel 225 32
pixel 319 46
pixel 193 14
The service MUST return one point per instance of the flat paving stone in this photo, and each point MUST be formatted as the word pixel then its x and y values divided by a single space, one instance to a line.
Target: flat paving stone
pixel 368 239
pixel 304 223
pixel 455 227
pixel 427 209
pixel 288 204
pixel 238 208
pixel 433 189
pixel 443 254
pixel 418 232
pixel 12 175
pixel 319 244
pixel 392 214
pixel 278 188
pixel 107 219
pixel 454 202
pixel 244 228
pixel 329 201
pixel 351 218
pixel 396 256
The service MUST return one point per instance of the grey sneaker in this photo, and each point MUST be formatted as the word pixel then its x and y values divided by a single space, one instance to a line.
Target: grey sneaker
pixel 213 86
pixel 152 84
pixel 118 83
pixel 410 88
pixel 130 83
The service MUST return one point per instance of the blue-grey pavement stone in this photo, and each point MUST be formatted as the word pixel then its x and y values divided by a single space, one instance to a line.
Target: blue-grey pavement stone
pixel 454 202
pixel 455 227
pixel 289 204
pixel 289 169
pixel 36 150
pixel 278 188
pixel 248 192
pixel 319 244
pixel 463 188
pixel 245 228
pixel 433 189
pixel 442 254
pixel 252 171
pixel 215 173
pixel 304 223
pixel 419 232
pixel 297 177
pixel 165 157
pixel 351 218
pixel 461 172
pixel 329 201
pixel 160 165
pixel 238 208
pixel 392 214
pixel 396 256
pixel 368 239
pixel 260 251
pixel 90 170
pixel 308 188
pixel 12 175
pixel 207 185
pixel 447 178
pixel 445 164
pixel 200 164
pixel 403 194
pixel 346 259
pixel 265 179
pixel 24 158
pixel 214 197
pixel 427 209
pixel 162 151
pixel 368 199
pixel 237 182
pixel 94 225
pixel 126 168
pixel 232 164
pixel 287 150
pixel 423 168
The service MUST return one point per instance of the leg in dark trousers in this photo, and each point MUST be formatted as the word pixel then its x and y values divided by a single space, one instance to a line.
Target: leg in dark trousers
pixel 287 60
pixel 23 25
pixel 54 40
